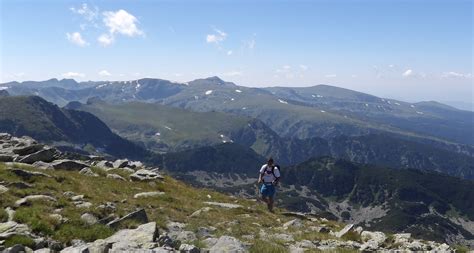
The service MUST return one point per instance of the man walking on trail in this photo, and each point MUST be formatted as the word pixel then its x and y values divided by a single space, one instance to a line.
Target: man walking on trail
pixel 269 177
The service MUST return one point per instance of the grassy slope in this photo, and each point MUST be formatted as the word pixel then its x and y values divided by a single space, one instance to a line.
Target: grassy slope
pixel 179 201
pixel 177 127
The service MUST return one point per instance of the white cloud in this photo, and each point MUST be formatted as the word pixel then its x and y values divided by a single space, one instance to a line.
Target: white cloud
pixel 104 73
pixel 229 52
pixel 105 39
pixel 216 38
pixel 121 22
pixel 76 38
pixel 408 73
pixel 88 13
pixel 330 76
pixel 453 74
pixel 73 75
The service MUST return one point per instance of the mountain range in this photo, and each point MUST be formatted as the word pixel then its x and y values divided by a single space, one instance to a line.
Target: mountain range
pixel 346 155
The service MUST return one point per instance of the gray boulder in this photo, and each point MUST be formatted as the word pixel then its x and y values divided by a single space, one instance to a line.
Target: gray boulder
pixel 25 174
pixel 12 228
pixel 88 172
pixel 29 149
pixel 6 158
pixel 129 239
pixel 148 194
pixel 138 216
pixel 3 189
pixel 116 176
pixel 121 163
pixel 224 205
pixel 187 248
pixel 145 175
pixel 45 155
pixel 295 223
pixel 344 231
pixel 68 165
pixel 228 244
pixel 28 199
pixel 89 219
pixel 104 165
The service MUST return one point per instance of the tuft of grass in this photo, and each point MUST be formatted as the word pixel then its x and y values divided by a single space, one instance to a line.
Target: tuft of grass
pixel 19 239
pixel 260 246
pixel 352 236
pixel 77 230
pixel 37 218
pixel 461 249
pixel 3 215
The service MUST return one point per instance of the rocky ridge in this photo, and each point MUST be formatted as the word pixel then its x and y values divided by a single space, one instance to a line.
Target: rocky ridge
pixel 133 208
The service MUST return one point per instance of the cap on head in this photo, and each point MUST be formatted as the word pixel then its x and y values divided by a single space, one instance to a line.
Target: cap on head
pixel 270 161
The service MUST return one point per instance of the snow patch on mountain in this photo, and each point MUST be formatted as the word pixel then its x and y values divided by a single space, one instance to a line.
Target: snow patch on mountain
pixel 282 101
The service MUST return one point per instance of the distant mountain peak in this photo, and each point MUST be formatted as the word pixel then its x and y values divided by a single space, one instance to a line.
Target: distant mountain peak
pixel 213 80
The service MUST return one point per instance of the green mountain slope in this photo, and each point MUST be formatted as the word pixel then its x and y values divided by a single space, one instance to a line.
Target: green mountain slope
pixel 34 116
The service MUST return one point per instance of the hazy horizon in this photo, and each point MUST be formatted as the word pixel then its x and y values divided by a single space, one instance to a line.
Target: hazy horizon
pixel 407 50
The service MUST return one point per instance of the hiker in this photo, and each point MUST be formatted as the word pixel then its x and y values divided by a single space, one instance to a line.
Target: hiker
pixel 269 177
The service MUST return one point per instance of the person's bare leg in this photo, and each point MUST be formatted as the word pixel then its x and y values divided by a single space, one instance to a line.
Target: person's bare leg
pixel 270 204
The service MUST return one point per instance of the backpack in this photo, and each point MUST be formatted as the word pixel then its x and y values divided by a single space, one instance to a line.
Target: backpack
pixel 273 170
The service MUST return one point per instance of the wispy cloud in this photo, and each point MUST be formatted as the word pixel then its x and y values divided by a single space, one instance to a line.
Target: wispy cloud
pixel 217 37
pixel 331 76
pixel 76 38
pixel 452 74
pixel 73 75
pixel 408 73
pixel 303 67
pixel 232 73
pixel 89 14
pixel 229 52
pixel 105 39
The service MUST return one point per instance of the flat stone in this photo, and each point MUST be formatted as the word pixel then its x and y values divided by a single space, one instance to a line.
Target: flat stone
pixel 45 155
pixel 295 223
pixel 145 175
pixel 187 248
pixel 12 228
pixel 134 238
pixel 27 200
pixel 139 216
pixel 88 172
pixel 148 194
pixel 200 211
pixel 224 205
pixel 22 151
pixel 25 174
pixel 120 163
pixel 68 165
pixel 228 244
pixel 115 176
pixel 344 231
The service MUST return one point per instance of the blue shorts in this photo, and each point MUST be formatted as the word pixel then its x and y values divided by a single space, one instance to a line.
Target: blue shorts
pixel 267 190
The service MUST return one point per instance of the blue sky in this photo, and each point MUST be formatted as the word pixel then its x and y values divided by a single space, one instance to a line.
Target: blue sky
pixel 413 50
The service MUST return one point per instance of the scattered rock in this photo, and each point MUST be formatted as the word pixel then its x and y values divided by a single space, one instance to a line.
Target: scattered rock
pixel 3 189
pixel 88 172
pixel 89 219
pixel 77 198
pixel 27 200
pixel 25 174
pixel 83 204
pixel 145 175
pixel 344 231
pixel 68 165
pixel 12 228
pixel 116 176
pixel 200 211
pixel 104 165
pixel 129 239
pixel 372 240
pixel 148 194
pixel 187 248
pixel 228 244
pixel 45 155
pixel 139 216
pixel 295 223
pixel 23 151
pixel 120 163
pixel 205 232
pixel 224 205
pixel 6 158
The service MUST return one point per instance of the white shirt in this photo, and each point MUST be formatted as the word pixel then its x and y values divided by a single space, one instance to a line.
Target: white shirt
pixel 268 176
